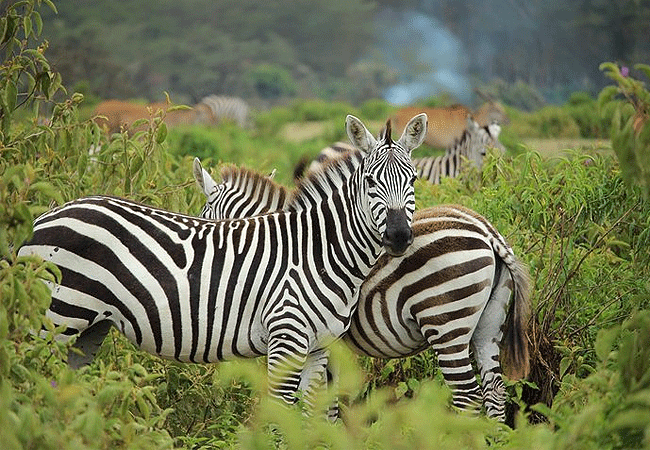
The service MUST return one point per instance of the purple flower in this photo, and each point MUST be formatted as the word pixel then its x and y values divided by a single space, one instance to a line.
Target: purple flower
pixel 53 383
pixel 625 71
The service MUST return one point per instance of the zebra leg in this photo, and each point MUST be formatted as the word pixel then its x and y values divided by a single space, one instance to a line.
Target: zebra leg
pixel 287 357
pixel 315 378
pixel 485 342
pixel 88 342
pixel 459 375
pixel 332 379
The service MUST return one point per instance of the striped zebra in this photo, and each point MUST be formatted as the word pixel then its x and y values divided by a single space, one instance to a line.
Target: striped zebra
pixel 449 292
pixel 228 108
pixel 282 285
pixel 472 146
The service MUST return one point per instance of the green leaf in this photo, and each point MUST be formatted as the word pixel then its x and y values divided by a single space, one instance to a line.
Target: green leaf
pixel 27 25
pixel 161 134
pixel 11 94
pixel 565 363
pixel 38 21
pixel 51 5
pixel 136 165
pixel 401 389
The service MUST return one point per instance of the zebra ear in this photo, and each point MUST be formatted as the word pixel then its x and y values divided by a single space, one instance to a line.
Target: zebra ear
pixel 359 134
pixel 414 132
pixel 203 179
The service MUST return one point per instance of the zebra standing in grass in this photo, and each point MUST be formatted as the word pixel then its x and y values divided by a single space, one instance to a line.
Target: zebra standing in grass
pixel 449 292
pixel 228 108
pixel 283 285
pixel 471 146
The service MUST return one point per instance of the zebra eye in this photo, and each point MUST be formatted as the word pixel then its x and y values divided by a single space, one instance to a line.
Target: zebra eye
pixel 414 178
pixel 371 181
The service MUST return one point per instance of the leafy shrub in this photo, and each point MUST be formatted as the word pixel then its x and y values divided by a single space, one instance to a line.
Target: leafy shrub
pixel 584 111
pixel 519 94
pixel 630 131
pixel 548 122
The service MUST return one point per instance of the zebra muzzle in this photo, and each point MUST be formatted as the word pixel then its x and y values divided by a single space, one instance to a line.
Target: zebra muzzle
pixel 398 235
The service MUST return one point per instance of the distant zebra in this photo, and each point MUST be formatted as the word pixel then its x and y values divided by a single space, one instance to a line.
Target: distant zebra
pixel 228 109
pixel 471 146
pixel 450 291
pixel 283 284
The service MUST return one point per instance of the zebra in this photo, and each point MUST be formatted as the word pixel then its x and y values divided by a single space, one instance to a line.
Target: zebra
pixel 237 188
pixel 228 108
pixel 194 290
pixel 471 146
pixel 450 291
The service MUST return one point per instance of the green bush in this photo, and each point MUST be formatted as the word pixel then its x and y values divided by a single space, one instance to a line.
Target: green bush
pixel 584 111
pixel 630 131
pixel 548 122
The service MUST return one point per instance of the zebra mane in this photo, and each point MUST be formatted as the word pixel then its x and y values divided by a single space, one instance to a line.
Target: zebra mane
pixel 319 185
pixel 251 179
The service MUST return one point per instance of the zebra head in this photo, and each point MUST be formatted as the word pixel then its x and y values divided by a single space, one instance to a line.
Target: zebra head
pixel 477 139
pixel 241 193
pixel 388 176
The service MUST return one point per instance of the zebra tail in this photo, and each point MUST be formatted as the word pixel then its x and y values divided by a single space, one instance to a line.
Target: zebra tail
pixel 515 338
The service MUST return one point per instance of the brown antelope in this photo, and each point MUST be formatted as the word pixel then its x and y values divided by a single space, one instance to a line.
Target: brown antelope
pixel 447 124
pixel 118 114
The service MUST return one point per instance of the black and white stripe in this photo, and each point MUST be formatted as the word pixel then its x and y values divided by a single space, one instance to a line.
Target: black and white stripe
pixel 451 291
pixel 225 108
pixel 283 284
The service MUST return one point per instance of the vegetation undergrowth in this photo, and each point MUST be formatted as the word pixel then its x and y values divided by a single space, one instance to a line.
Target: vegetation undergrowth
pixel 581 229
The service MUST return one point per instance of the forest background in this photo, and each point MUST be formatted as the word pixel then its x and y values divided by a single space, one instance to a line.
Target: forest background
pixel 524 52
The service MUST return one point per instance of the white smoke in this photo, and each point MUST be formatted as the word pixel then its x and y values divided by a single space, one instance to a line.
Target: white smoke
pixel 427 58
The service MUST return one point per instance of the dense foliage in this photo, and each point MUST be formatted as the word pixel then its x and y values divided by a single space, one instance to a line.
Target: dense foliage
pixel 583 232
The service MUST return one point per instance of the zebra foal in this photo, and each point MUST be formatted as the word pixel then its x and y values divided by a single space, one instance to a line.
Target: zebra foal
pixel 451 291
pixel 282 285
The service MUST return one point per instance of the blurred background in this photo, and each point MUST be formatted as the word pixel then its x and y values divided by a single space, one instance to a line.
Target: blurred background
pixel 527 53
